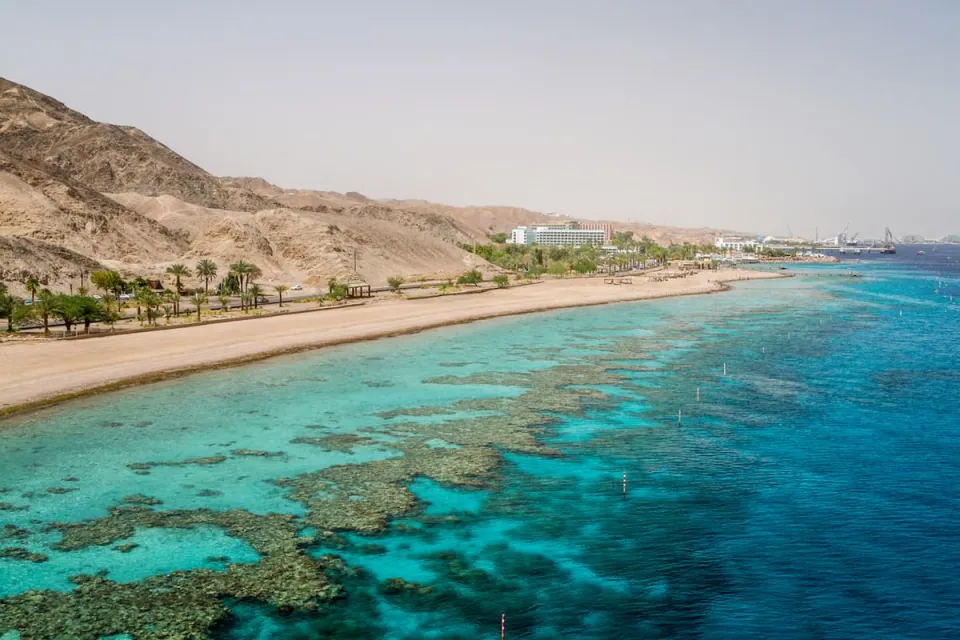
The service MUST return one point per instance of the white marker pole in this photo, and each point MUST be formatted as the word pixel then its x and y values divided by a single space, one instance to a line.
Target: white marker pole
pixel 698 394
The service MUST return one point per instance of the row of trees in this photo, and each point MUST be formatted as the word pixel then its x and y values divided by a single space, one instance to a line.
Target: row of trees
pixel 534 260
pixel 45 305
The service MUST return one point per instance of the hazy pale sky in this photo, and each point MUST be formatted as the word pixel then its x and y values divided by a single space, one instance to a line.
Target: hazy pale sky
pixel 739 113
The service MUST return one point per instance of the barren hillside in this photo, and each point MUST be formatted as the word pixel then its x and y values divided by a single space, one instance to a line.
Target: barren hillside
pixel 106 157
pixel 39 203
pixel 76 194
pixel 308 246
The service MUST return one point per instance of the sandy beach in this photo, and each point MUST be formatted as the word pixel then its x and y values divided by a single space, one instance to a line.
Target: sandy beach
pixel 38 373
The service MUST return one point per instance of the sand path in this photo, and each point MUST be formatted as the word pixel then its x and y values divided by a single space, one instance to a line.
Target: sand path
pixel 33 373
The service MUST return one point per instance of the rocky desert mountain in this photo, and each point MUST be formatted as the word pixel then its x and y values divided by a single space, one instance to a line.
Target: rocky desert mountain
pixel 77 195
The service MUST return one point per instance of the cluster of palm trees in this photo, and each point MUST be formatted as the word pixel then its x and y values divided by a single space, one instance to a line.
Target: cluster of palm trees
pixel 151 304
pixel 44 304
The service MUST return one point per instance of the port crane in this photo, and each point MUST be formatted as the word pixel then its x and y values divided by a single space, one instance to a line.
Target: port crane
pixel 889 241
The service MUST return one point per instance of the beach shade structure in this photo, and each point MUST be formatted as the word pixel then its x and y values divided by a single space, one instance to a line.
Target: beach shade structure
pixel 357 288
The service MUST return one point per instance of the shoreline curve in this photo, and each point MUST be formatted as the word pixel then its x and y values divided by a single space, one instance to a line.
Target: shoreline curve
pixel 94 380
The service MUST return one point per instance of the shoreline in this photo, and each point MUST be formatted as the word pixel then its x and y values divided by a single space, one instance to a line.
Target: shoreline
pixel 68 370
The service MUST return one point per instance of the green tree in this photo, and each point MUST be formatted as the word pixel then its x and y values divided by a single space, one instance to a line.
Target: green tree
pixel 45 305
pixel 179 271
pixel 230 284
pixel 171 298
pixel 107 281
pixel 280 288
pixel 224 302
pixel 8 305
pixel 86 310
pixel 584 266
pixel 206 269
pixel 255 292
pixel 33 286
pixel 198 299
pixel 336 290
pixel 538 256
pixel 558 269
pixel 501 280
pixel 394 283
pixel 498 238
pixel 241 270
pixel 150 301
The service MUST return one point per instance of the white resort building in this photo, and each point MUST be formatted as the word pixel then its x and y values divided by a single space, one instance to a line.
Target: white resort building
pixel 569 234
pixel 736 243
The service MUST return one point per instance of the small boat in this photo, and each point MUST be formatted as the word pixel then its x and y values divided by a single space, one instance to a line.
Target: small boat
pixel 921 252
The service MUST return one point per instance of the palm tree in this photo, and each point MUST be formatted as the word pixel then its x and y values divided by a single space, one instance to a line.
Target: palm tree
pixel 107 300
pixel 280 288
pixel 241 269
pixel 199 299
pixel 33 286
pixel 171 298
pixel 224 302
pixel 8 304
pixel 150 301
pixel 255 292
pixel 45 305
pixel 206 269
pixel 179 271
pixel 244 302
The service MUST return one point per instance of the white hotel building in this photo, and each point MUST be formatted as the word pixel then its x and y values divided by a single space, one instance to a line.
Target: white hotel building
pixel 736 243
pixel 569 234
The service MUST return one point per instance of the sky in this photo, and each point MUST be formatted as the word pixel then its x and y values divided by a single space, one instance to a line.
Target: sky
pixel 761 115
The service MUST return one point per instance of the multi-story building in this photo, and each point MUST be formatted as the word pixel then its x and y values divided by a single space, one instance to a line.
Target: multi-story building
pixel 736 243
pixel 570 234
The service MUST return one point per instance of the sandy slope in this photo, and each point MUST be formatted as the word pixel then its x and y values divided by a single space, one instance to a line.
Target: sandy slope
pixel 34 372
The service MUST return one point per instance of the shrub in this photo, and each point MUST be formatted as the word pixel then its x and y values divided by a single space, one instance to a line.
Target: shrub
pixel 558 269
pixel 394 283
pixel 473 277
pixel 337 290
pixel 501 280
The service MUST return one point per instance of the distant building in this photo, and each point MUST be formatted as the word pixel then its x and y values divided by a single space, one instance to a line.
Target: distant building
pixel 566 234
pixel 736 243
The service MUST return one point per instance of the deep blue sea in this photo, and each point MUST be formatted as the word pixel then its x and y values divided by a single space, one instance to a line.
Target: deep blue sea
pixel 791 450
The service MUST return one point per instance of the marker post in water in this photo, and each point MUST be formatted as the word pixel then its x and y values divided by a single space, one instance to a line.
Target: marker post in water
pixel 503 626
pixel 698 394
pixel 624 483
pixel 679 416
pixel 724 368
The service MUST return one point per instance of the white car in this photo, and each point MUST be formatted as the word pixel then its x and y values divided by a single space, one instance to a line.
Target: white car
pixel 124 296
pixel 296 287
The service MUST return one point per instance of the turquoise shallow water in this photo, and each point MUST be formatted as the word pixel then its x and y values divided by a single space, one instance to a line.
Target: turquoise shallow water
pixel 809 493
